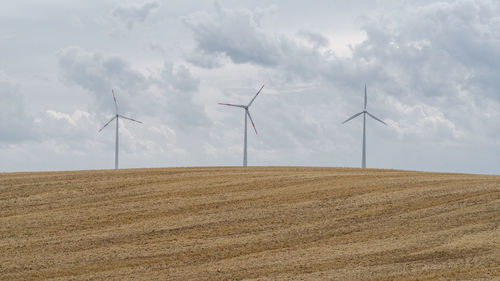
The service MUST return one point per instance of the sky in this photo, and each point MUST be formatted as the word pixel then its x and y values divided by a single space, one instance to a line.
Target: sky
pixel 432 71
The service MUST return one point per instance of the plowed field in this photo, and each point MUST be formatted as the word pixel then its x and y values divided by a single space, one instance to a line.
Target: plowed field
pixel 259 223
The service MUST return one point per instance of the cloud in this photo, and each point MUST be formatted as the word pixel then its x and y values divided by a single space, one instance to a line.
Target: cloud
pixel 440 56
pixel 17 124
pixel 431 70
pixel 316 39
pixel 67 126
pixel 179 87
pixel 132 14
pixel 428 48
pixel 234 33
pixel 156 47
pixel 99 74
pixel 200 58
pixel 424 123
pixel 239 36
pixel 444 44
pixel 169 94
pixel 180 78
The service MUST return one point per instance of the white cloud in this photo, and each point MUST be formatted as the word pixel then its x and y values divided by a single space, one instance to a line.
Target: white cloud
pixel 423 123
pixel 70 119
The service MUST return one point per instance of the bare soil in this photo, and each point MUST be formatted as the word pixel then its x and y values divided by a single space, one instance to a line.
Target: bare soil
pixel 259 223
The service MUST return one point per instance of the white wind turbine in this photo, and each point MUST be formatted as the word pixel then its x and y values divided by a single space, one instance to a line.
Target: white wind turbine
pixel 247 113
pixel 117 116
pixel 364 112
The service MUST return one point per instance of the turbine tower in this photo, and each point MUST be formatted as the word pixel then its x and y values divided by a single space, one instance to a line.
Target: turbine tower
pixel 117 117
pixel 364 112
pixel 247 113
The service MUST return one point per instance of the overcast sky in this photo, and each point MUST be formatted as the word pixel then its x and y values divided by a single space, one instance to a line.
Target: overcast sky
pixel 432 70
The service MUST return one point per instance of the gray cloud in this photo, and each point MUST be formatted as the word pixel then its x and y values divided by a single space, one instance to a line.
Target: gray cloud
pixel 98 74
pixel 199 57
pixel 462 32
pixel 431 69
pixel 179 87
pixel 235 33
pixel 426 66
pixel 132 14
pixel 316 39
pixel 428 48
pixel 17 124
pixel 443 55
pixel 180 78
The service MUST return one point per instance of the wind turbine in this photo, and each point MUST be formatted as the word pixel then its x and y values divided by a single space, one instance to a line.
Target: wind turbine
pixel 247 113
pixel 117 116
pixel 364 112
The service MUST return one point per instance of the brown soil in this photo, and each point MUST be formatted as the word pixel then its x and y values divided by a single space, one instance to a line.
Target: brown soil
pixel 260 223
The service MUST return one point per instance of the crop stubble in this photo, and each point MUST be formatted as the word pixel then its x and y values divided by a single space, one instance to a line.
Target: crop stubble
pixel 259 223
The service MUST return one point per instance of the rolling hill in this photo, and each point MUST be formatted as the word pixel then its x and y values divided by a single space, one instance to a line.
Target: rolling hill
pixel 258 223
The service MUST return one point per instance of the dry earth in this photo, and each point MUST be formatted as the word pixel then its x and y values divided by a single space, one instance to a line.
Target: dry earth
pixel 262 223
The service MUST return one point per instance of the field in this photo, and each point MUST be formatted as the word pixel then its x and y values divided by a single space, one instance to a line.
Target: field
pixel 259 223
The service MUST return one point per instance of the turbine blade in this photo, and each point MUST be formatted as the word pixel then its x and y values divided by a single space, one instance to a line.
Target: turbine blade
pixel 107 123
pixel 228 104
pixel 352 117
pixel 248 112
pixel 372 116
pixel 131 119
pixel 114 98
pixel 255 96
pixel 365 97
